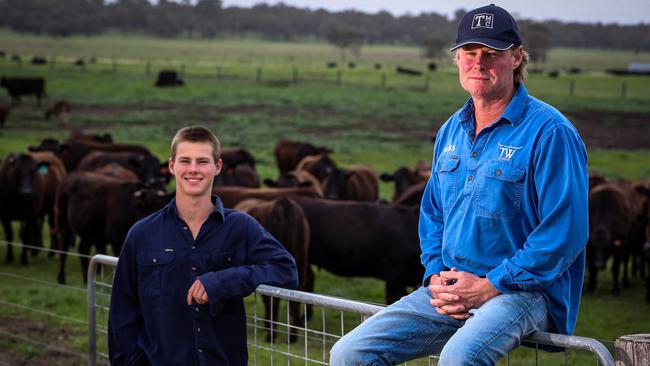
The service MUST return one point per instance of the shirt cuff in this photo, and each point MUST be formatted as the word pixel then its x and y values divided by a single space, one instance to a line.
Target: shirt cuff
pixel 501 279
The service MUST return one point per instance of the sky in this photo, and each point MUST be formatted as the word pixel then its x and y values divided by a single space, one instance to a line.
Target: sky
pixel 584 11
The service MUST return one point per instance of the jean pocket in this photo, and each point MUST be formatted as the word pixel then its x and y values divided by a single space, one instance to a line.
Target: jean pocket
pixel 447 173
pixel 150 270
pixel 500 190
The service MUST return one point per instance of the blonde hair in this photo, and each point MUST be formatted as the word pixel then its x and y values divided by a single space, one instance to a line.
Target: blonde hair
pixel 520 72
pixel 196 134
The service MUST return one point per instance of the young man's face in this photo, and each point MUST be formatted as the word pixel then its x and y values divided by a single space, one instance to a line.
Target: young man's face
pixel 194 168
pixel 486 73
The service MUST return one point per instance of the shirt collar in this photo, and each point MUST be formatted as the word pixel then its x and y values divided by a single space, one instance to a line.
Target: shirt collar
pixel 513 113
pixel 217 211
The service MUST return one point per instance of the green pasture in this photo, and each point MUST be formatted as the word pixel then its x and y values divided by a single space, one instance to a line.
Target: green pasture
pixel 383 125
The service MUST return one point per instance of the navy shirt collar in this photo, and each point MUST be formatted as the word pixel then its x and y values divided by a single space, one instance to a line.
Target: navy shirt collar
pixel 217 211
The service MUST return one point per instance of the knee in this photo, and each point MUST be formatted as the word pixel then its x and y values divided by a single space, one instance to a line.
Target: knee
pixel 461 355
pixel 345 353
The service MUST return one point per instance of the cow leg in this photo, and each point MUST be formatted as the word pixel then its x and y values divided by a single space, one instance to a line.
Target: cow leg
pixel 37 236
pixel 9 237
pixel 53 235
pixel 84 251
pixel 394 290
pixel 296 320
pixel 626 280
pixel 616 268
pixel 66 242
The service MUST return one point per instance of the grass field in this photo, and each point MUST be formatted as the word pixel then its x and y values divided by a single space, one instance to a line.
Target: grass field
pixel 363 122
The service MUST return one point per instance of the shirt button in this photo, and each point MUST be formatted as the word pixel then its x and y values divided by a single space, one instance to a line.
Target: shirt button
pixel 470 178
pixel 193 268
pixel 193 247
pixel 197 309
pixel 200 349
pixel 498 172
pixel 184 227
pixel 475 154
pixel 198 330
pixel 228 260
pixel 155 260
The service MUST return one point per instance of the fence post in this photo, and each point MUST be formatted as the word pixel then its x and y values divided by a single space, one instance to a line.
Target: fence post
pixel 295 74
pixel 624 89
pixel 572 87
pixel 339 77
pixel 383 81
pixel 633 350
pixel 258 77
pixel 427 79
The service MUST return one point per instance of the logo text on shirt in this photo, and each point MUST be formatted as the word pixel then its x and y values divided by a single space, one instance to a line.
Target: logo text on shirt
pixel 450 148
pixel 507 151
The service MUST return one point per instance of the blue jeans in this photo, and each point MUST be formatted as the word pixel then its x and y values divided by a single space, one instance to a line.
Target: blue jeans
pixel 411 328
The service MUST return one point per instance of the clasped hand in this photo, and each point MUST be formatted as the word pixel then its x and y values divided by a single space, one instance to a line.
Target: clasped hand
pixel 455 293
pixel 197 293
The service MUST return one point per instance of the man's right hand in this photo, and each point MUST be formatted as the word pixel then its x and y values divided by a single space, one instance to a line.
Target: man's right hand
pixel 445 303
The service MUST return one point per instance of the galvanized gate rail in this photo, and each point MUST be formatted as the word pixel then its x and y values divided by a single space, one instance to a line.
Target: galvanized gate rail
pixel 603 356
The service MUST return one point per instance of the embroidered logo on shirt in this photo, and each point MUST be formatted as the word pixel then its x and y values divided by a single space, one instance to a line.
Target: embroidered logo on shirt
pixel 507 151
pixel 450 148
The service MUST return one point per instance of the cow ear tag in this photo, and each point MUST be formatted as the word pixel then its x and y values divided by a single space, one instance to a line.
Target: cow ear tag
pixel 43 169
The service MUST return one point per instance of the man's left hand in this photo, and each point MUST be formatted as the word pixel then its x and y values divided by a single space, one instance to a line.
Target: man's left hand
pixel 197 293
pixel 470 290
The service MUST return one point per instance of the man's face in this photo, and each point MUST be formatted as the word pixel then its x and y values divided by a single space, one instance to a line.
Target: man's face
pixel 194 168
pixel 486 73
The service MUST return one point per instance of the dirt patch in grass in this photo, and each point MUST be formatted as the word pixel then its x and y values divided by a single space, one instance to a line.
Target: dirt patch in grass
pixel 35 343
pixel 610 130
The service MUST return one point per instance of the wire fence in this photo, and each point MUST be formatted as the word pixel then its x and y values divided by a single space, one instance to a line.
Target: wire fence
pixel 292 340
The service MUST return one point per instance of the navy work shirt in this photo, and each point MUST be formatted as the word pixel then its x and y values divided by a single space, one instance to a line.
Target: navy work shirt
pixel 150 321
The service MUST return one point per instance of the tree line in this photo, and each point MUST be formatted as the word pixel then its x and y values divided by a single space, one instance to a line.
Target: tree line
pixel 346 29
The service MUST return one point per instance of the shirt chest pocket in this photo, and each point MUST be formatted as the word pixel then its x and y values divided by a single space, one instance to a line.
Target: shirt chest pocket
pixel 153 268
pixel 217 260
pixel 447 173
pixel 500 191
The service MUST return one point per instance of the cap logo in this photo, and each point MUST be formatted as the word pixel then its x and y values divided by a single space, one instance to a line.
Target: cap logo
pixel 482 20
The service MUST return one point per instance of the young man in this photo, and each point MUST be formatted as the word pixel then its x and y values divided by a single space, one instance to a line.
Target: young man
pixel 503 220
pixel 183 271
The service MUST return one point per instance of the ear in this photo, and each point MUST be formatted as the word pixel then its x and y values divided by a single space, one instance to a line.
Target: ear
pixel 218 166
pixel 518 56
pixel 170 164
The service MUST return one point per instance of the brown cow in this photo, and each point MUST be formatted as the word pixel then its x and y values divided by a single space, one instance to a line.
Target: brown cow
pixel 405 178
pixel 59 109
pixel 146 167
pixel 286 221
pixel 53 172
pixel 320 166
pixel 242 175
pixel 22 192
pixel 233 157
pixel 300 178
pixel 288 153
pixel 231 195
pixel 357 183
pixel 100 210
pixel 115 170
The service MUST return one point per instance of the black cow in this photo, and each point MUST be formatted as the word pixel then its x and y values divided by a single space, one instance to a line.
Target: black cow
pixel 331 65
pixel 24 86
pixel 22 192
pixel 365 239
pixel 405 178
pixel 408 71
pixel 320 166
pixel 356 183
pixel 432 66
pixel 169 78
pixel 235 156
pixel 242 175
pixel 289 153
pixel 148 168
pixel 38 60
pixel 609 226
pixel 100 210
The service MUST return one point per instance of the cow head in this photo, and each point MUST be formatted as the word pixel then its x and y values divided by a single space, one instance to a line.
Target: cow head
pixel 335 186
pixel 24 170
pixel 149 200
pixel 148 168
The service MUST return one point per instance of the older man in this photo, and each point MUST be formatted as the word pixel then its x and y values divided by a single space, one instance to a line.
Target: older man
pixel 503 220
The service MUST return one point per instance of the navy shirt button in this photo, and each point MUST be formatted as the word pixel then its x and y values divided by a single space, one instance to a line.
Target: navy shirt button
pixel 228 260
pixel 193 268
pixel 197 309
pixel 198 330
pixel 200 349
pixel 193 247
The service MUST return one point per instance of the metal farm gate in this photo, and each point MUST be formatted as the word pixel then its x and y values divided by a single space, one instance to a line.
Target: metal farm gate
pixel 297 344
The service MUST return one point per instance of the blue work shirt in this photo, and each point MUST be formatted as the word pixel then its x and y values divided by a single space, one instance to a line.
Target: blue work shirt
pixel 511 203
pixel 149 318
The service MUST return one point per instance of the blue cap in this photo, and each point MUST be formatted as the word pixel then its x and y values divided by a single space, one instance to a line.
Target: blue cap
pixel 490 26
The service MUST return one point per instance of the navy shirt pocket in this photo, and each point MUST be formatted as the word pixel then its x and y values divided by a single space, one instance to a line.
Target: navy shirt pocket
pixel 447 173
pixel 151 268
pixel 219 260
pixel 500 190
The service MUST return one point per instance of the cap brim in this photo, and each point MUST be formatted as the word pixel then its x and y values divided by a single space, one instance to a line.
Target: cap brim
pixel 494 44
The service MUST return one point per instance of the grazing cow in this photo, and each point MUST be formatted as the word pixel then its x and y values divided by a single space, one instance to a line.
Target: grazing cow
pixel 357 183
pixel 407 71
pixel 286 221
pixel 168 78
pixel 331 65
pixel 405 178
pixel 24 86
pixel 147 168
pixel 609 226
pixel 231 195
pixel 365 239
pixel 53 172
pixel 432 66
pixel 553 74
pixel 38 60
pixel 299 178
pixel 352 65
pixel 377 66
pixel 4 112
pixel 320 166
pixel 22 192
pixel 235 157
pixel 100 210
pixel 16 58
pixel 80 62
pixel 289 153
pixel 60 108
pixel 242 175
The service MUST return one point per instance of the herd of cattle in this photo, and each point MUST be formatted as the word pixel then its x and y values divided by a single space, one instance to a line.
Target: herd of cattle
pixel 92 188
